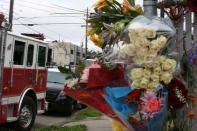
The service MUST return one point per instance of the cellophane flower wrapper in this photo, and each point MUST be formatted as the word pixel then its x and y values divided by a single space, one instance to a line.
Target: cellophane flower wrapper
pixel 142 40
pixel 116 98
pixel 132 93
pixel 92 93
pixel 108 93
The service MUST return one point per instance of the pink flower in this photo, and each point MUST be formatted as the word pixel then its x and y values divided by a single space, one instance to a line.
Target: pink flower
pixel 151 105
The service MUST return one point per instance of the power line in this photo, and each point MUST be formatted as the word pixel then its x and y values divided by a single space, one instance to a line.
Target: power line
pixel 45 17
pixel 51 6
pixel 67 8
pixel 38 9
pixel 66 13
pixel 34 29
pixel 48 24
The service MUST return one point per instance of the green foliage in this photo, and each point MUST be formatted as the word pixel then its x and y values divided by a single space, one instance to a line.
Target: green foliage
pixel 64 69
pixel 89 112
pixel 66 128
pixel 131 2
pixel 70 73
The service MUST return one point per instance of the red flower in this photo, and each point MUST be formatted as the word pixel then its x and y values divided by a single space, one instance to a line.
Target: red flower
pixel 191 114
pixel 177 93
pixel 133 120
pixel 182 72
pixel 191 97
pixel 192 4
pixel 134 96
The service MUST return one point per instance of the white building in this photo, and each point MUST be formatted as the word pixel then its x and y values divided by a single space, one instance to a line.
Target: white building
pixel 66 53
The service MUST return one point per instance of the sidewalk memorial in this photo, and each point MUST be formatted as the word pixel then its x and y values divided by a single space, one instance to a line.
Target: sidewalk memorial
pixel 136 81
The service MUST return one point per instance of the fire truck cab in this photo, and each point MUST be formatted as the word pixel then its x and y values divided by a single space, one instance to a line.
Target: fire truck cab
pixel 23 75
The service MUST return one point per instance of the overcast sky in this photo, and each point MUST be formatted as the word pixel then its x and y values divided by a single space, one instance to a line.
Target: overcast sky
pixel 51 11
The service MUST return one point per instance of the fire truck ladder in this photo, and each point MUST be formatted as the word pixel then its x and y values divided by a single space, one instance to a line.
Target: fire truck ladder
pixel 3 34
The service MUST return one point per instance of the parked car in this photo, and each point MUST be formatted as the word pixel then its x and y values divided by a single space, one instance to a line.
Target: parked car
pixel 56 99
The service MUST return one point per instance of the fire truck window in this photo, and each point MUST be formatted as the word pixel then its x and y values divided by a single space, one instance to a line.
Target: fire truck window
pixel 49 57
pixel 30 55
pixel 41 56
pixel 19 49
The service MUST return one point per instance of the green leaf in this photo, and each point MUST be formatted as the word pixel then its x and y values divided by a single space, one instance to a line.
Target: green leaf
pixel 109 37
pixel 137 116
pixel 118 4
pixel 131 2
pixel 112 6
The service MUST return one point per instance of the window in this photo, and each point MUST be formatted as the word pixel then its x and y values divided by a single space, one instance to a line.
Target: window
pixel 49 57
pixel 19 50
pixel 30 55
pixel 71 52
pixel 71 63
pixel 78 53
pixel 42 56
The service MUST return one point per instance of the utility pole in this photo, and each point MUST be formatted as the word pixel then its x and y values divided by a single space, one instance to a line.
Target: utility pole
pixel 162 14
pixel 150 8
pixel 11 14
pixel 86 37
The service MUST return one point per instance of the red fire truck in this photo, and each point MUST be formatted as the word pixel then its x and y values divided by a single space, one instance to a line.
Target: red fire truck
pixel 23 75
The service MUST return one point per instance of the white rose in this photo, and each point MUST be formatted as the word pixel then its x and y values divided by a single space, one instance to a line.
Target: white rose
pixel 72 82
pixel 135 84
pixel 142 32
pixel 160 59
pixel 134 33
pixel 161 41
pixel 143 51
pixel 128 49
pixel 155 78
pixel 153 44
pixel 157 70
pixel 136 73
pixel 151 33
pixel 147 73
pixel 131 49
pixel 144 83
pixel 169 64
pixel 142 42
pixel 139 60
pixel 166 77
pixel 153 85
pixel 150 57
pixel 172 70
pixel 149 65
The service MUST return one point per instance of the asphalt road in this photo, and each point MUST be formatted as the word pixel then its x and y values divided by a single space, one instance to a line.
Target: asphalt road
pixel 44 120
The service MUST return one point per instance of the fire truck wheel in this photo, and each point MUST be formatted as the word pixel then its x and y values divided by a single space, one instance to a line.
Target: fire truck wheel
pixel 27 115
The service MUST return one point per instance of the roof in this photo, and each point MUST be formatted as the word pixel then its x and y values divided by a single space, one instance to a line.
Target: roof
pixel 26 37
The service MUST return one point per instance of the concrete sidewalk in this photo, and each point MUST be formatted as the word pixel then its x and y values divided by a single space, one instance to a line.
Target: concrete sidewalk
pixel 95 124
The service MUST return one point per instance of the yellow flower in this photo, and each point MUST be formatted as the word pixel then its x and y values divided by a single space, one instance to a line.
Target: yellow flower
pixel 127 7
pixel 89 30
pixel 101 3
pixel 96 40
pixel 138 9
pixel 116 126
